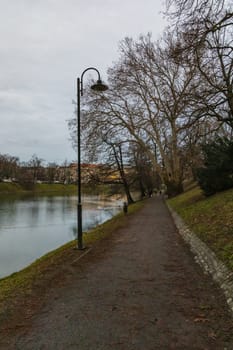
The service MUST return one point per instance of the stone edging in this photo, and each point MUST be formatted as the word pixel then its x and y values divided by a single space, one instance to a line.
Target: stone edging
pixel 206 258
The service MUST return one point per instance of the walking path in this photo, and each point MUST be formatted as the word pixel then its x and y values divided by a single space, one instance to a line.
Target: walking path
pixel 140 289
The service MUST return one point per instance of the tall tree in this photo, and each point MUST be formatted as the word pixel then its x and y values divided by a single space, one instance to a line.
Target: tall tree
pixel 146 102
pixel 8 166
pixel 35 163
pixel 205 36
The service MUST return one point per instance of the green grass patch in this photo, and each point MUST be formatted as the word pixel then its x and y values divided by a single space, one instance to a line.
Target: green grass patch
pixel 10 188
pixel 15 189
pixel 210 218
pixel 57 189
pixel 54 188
pixel 23 282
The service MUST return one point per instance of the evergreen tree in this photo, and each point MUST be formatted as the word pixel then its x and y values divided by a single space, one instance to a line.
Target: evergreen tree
pixel 217 173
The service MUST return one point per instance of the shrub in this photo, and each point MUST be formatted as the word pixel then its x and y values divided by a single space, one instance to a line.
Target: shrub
pixel 217 173
pixel 173 188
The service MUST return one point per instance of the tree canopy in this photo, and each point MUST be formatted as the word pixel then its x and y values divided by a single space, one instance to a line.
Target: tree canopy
pixel 167 97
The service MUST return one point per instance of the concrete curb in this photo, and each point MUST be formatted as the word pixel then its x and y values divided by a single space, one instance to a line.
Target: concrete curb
pixel 207 259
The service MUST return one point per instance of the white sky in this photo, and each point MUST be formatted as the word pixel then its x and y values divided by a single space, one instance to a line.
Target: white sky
pixel 44 46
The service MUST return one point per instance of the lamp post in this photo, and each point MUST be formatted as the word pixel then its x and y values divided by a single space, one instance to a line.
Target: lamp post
pixel 98 86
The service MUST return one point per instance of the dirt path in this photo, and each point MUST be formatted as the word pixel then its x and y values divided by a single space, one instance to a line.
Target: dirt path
pixel 139 289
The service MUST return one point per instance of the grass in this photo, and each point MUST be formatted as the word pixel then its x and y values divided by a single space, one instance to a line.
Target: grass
pixel 7 188
pixel 18 189
pixel 56 189
pixel 35 276
pixel 211 219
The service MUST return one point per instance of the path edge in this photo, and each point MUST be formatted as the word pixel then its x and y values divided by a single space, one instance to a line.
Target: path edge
pixel 206 258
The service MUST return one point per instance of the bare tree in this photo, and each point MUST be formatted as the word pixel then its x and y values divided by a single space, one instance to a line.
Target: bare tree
pixel 51 171
pixel 147 101
pixel 35 164
pixel 8 166
pixel 205 37
pixel 117 151
pixel 159 95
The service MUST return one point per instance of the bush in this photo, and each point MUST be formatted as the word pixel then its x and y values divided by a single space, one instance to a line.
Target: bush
pixel 173 188
pixel 217 173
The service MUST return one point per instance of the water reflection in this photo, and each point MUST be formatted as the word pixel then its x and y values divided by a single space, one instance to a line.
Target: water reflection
pixel 30 227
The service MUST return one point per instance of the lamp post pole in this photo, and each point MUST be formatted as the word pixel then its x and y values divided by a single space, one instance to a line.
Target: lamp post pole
pixel 79 206
pixel 98 86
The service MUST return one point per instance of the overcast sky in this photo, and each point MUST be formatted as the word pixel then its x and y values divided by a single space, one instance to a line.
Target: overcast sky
pixel 44 46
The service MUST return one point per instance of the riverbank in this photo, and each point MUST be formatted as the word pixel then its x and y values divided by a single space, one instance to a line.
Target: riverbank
pixel 55 189
pixel 18 189
pixel 25 284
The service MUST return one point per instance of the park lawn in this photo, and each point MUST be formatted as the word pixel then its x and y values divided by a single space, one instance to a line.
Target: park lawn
pixel 210 218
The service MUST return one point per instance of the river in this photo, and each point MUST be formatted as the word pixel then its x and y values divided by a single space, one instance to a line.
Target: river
pixel 33 226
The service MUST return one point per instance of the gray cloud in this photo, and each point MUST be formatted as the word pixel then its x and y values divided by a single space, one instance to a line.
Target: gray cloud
pixel 45 45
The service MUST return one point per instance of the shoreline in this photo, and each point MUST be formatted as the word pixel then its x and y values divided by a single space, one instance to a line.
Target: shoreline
pixel 24 284
pixel 16 189
pixel 19 189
